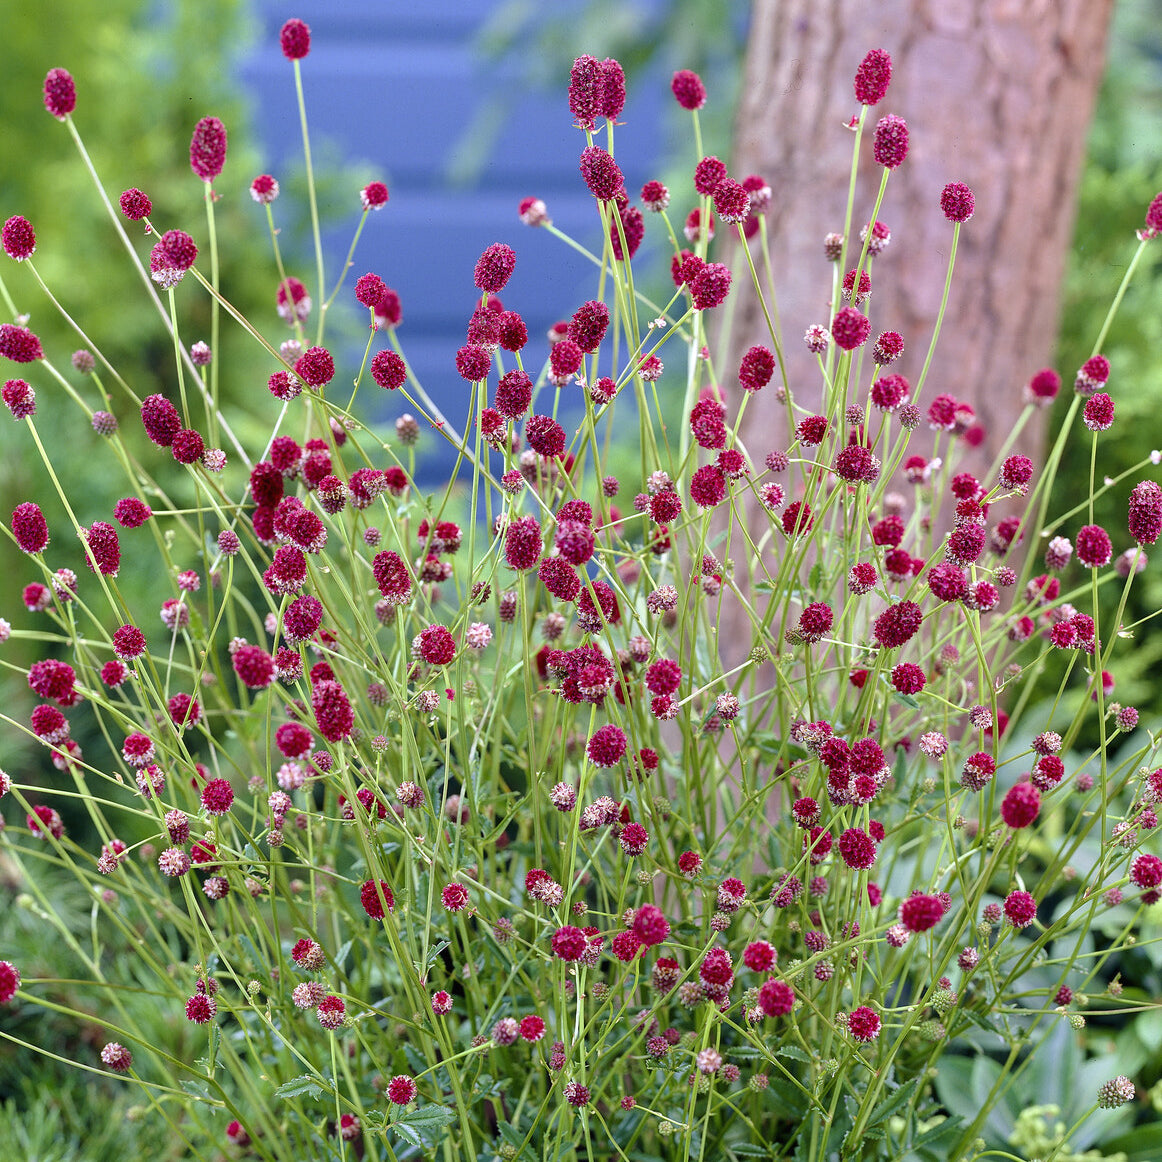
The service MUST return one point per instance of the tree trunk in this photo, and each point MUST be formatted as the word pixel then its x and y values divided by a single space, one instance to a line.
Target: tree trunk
pixel 997 94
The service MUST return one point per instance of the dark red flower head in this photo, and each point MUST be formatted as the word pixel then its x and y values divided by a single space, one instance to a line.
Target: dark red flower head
pixel 601 173
pixel 104 547
pixel 688 89
pixel 60 93
pixel 1145 512
pixel 872 77
pixel 19 344
pixel 19 238
pixel 179 249
pixel 890 143
pixel 29 527
pixel 373 196
pixel 161 420
pixel 957 202
pixel 494 268
pixel 135 204
pixel 315 366
pixel 587 91
pixel 19 398
pixel 295 39
pixel 613 92
pixel 208 148
pixel 388 370
pixel 850 328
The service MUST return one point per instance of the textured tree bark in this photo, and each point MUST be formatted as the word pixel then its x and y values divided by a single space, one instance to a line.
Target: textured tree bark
pixel 997 94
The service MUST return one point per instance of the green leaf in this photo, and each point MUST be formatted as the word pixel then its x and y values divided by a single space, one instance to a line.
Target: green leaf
pixel 892 1103
pixel 793 1051
pixel 1142 1144
pixel 427 1117
pixel 197 1089
pixel 408 1134
pixel 307 1084
pixel 906 700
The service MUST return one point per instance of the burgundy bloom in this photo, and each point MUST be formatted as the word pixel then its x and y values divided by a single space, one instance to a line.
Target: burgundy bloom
pixel 494 268
pixel 333 711
pixel 857 848
pixel 776 998
pixel 815 621
pixel 388 370
pixel 129 643
pixel 850 328
pixel 1093 546
pixel 1020 909
pixel 613 89
pixel 1021 805
pixel 188 446
pixel 897 624
pixel 369 289
pixel 947 581
pixel 178 249
pixel 601 173
pixel 135 204
pixel 888 348
pixel 369 896
pixel 18 238
pixel 709 173
pixel 1145 512
pixel 218 796
pixel 523 543
pixel 650 925
pixel 401 1090
pixel 731 201
pixel 890 143
pixel 514 394
pixel 588 326
pixel 1042 389
pixel 565 359
pixel 872 77
pixel 569 943
pixel 1016 472
pixel 708 486
pixel 29 527
pixel 19 344
pixel 330 1011
pixel 797 519
pixel 254 666
pixel 586 91
pixel 908 678
pixel 20 399
pixel 437 646
pixel 863 1024
pixel 200 1008
pixel 756 368
pixel 545 436
pixel 1099 412
pixel 104 548
pixel 607 746
pixel 208 148
pixel 392 577
pixel 373 196
pixel 302 619
pixel 315 366
pixel 957 202
pixel 920 911
pixel 856 464
pixel 60 93
pixel 295 39
pixel 688 89
pixel 890 391
pixel 1146 871
pixel 264 189
pixel 710 286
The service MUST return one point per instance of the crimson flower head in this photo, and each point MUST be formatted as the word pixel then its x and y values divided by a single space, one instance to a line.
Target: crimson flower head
pixel 587 91
pixel 208 148
pixel 373 196
pixel 650 925
pixel 850 328
pixel 19 238
pixel 401 1090
pixel 218 796
pixel 29 527
pixel 688 89
pixel 613 92
pixel 601 173
pixel 1145 512
pixel 60 93
pixel 179 249
pixel 1020 909
pixel 20 398
pixel 1093 546
pixel 957 202
pixel 9 981
pixel 19 344
pixel 1153 215
pixel 890 143
pixel 494 268
pixel 135 204
pixel 295 39
pixel 264 189
pixel 863 1024
pixel 920 911
pixel 872 77
pixel 104 548
pixel 776 998
pixel 315 366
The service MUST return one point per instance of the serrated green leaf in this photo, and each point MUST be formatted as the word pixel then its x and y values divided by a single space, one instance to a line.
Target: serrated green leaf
pixel 197 1089
pixel 893 1102
pixel 906 700
pixel 793 1051
pixel 428 1117
pixel 407 1133
pixel 305 1084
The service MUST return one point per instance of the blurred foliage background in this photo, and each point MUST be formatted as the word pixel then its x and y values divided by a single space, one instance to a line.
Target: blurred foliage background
pixel 146 73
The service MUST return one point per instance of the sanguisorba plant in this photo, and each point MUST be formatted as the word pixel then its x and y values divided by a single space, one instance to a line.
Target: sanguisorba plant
pixel 436 824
